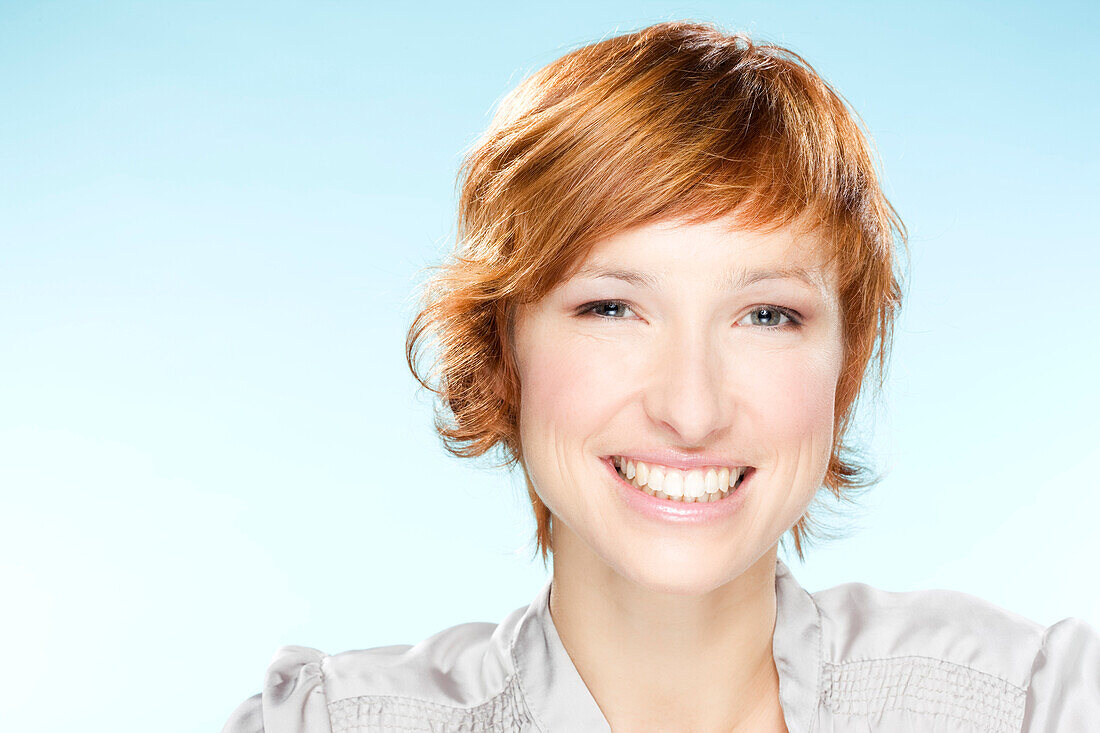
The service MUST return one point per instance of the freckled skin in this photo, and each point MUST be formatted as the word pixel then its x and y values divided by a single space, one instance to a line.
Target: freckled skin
pixel 682 365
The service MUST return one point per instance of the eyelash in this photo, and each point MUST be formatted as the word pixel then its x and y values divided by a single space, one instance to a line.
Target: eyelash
pixel 795 320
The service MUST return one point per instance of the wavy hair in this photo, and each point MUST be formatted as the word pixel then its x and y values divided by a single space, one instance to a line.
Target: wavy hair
pixel 679 120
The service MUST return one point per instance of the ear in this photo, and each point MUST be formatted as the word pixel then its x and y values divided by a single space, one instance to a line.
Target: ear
pixel 504 380
pixel 497 384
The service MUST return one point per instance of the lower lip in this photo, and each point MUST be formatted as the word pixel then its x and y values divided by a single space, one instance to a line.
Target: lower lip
pixel 679 512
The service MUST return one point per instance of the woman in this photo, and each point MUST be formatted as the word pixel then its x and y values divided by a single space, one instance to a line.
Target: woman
pixel 674 268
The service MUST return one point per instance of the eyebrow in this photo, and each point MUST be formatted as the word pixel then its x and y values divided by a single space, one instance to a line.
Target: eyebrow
pixel 739 278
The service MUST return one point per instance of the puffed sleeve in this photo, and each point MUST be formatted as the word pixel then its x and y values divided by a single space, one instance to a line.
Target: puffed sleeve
pixel 293 698
pixel 1064 694
pixel 247 718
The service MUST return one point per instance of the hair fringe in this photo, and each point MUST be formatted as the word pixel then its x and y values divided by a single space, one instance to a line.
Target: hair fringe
pixel 677 121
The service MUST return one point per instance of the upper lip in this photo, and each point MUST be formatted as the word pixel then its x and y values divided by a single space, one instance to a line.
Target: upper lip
pixel 678 459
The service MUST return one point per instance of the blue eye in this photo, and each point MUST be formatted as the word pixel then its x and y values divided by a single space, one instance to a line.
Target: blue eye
pixel 772 312
pixel 613 310
pixel 610 305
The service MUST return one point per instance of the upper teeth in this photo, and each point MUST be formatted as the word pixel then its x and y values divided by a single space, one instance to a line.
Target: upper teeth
pixel 704 484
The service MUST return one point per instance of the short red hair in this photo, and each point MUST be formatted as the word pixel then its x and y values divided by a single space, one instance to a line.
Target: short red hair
pixel 679 120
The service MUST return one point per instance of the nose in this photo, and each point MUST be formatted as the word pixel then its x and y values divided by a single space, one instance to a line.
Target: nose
pixel 684 394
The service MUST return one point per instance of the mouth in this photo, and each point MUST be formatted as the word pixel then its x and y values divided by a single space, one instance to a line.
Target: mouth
pixel 699 485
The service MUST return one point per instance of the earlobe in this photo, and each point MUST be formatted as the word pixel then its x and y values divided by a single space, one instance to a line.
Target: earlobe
pixel 505 378
pixel 496 386
pixel 501 380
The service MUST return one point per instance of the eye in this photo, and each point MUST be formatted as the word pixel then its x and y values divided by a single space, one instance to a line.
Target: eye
pixel 615 310
pixel 773 313
pixel 601 307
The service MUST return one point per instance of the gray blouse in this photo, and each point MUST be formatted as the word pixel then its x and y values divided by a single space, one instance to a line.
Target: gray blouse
pixel 850 658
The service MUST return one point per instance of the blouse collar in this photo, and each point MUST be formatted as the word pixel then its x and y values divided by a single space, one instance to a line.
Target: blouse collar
pixel 559 700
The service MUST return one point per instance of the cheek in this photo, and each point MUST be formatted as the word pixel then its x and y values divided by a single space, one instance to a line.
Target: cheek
pixel 568 384
pixel 566 397
pixel 796 400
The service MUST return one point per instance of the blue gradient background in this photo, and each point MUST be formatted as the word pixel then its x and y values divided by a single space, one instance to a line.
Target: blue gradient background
pixel 212 220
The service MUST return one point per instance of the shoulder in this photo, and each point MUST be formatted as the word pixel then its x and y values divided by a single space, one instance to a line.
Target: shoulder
pixel 292 700
pixel 1012 669
pixel 1065 679
pixel 440 678
pixel 860 621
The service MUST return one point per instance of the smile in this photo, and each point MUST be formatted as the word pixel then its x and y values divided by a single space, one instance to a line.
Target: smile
pixel 700 485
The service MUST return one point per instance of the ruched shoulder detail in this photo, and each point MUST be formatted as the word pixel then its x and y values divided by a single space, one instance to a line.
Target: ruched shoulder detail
pixel 293 698
pixel 1064 694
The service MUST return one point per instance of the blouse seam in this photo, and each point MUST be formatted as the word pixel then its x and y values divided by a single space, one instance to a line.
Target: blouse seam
pixel 1029 698
pixel 519 678
pixel 427 702
pixel 934 659
pixel 432 708
pixel 324 689
pixel 819 692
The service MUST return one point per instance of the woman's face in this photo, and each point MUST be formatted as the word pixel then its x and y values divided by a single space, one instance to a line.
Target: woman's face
pixel 685 357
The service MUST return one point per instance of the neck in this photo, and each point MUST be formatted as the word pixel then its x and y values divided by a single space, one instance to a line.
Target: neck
pixel 661 661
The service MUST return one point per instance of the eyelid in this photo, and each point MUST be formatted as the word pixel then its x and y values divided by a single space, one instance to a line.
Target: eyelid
pixel 588 308
pixel 793 316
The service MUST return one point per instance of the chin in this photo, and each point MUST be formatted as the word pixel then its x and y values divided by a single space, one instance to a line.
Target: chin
pixel 682 576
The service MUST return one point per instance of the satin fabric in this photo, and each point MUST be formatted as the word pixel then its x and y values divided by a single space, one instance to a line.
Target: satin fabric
pixel 851 658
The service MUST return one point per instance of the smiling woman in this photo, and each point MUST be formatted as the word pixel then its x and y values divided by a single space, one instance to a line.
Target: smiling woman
pixel 675 275
pixel 706 377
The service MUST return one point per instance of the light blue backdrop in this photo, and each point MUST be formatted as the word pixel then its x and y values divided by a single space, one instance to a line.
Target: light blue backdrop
pixel 212 218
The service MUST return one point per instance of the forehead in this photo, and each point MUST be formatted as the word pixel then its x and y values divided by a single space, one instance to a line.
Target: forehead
pixel 717 251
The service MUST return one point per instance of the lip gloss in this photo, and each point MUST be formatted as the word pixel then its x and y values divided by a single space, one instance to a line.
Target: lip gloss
pixel 678 512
